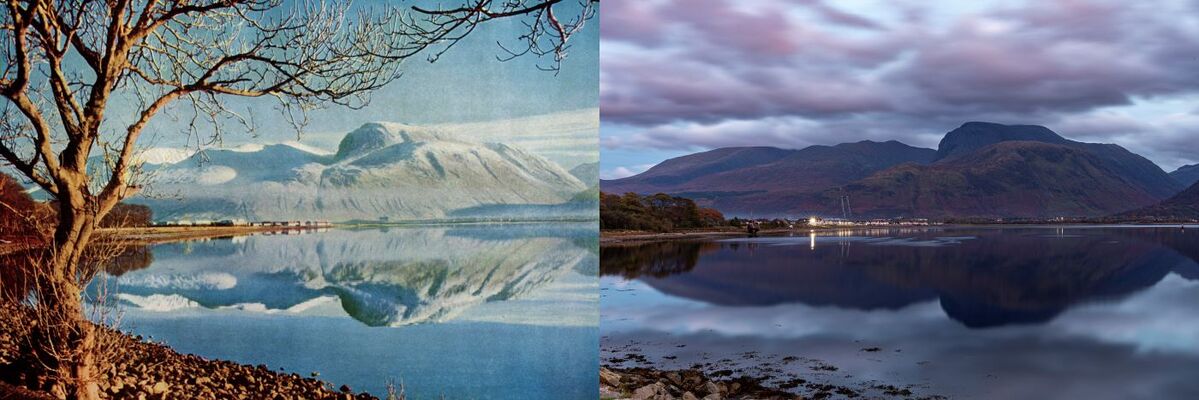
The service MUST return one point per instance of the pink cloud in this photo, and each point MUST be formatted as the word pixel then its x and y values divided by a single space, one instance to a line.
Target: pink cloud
pixel 702 62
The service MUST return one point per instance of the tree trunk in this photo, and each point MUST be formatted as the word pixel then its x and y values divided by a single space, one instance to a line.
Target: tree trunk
pixel 73 358
pixel 69 339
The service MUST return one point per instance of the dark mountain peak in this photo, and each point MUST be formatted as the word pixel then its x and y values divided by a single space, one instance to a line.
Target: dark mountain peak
pixel 975 135
pixel 890 145
pixel 865 142
pixel 874 144
pixel 889 152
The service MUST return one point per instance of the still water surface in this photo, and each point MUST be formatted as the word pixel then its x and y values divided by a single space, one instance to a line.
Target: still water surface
pixel 978 313
pixel 471 312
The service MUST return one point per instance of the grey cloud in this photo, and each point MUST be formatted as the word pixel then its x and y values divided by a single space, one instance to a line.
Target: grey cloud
pixel 703 63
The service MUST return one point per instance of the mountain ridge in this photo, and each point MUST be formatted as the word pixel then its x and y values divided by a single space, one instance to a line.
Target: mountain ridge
pixel 748 169
pixel 975 164
pixel 380 170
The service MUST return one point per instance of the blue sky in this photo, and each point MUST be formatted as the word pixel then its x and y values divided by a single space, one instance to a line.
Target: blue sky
pixel 467 84
pixel 681 76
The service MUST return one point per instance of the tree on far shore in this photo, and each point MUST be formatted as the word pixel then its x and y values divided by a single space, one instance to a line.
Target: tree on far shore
pixel 65 63
pixel 656 213
pixel 16 211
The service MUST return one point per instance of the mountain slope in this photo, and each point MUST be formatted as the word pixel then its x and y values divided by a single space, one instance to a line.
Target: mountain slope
pixel 671 174
pixel 1130 167
pixel 1007 179
pixel 736 171
pixel 380 170
pixel 1187 175
pixel 1184 205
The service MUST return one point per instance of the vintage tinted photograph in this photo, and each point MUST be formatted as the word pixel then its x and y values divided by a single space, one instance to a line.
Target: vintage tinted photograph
pixel 286 199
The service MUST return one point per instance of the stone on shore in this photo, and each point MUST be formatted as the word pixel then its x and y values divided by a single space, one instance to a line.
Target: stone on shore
pixel 145 370
pixel 650 384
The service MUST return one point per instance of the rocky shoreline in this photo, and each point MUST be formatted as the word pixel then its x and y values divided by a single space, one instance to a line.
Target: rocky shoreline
pixel 145 370
pixel 645 383
pixel 690 384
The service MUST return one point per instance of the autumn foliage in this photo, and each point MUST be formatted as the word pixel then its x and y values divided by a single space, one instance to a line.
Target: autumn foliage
pixel 659 212
pixel 19 214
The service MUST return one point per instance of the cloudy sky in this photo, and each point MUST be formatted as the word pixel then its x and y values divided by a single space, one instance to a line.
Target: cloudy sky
pixel 680 76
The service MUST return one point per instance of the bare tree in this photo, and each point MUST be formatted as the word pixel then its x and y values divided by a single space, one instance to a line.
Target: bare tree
pixel 546 33
pixel 67 62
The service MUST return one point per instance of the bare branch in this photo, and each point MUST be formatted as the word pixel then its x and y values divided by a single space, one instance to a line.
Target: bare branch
pixel 546 34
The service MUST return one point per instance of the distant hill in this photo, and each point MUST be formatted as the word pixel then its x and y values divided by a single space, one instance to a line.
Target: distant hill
pixel 379 170
pixel 588 173
pixel 739 171
pixel 979 169
pixel 1184 205
pixel 1187 175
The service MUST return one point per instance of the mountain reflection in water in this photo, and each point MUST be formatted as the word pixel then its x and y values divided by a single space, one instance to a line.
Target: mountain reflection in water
pixel 981 278
pixel 984 313
pixel 379 277
pixel 460 311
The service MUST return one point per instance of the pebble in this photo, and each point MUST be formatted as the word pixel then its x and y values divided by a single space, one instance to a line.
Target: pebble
pixel 154 371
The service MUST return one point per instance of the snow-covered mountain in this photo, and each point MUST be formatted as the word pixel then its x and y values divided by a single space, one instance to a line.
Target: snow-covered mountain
pixel 379 170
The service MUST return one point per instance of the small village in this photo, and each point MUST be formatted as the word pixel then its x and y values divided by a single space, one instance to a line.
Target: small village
pixel 820 222
pixel 242 222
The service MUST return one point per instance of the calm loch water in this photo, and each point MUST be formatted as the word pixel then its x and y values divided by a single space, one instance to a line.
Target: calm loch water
pixel 471 312
pixel 979 313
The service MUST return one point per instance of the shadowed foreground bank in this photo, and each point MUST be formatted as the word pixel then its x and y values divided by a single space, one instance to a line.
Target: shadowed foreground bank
pixel 651 384
pixel 152 371
pixel 691 384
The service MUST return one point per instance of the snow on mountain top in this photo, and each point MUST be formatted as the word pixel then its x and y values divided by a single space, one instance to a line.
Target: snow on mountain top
pixel 164 155
pixel 308 148
pixel 173 155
